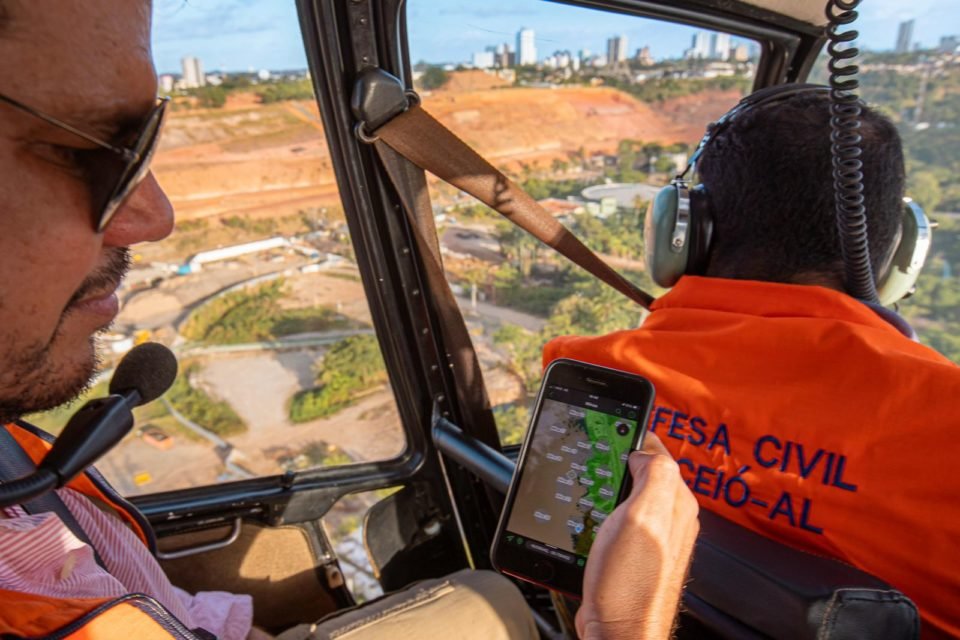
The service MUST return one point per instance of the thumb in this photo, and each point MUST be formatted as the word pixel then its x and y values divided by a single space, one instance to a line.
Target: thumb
pixel 639 460
pixel 652 444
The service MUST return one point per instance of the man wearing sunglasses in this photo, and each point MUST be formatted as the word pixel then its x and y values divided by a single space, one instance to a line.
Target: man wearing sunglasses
pixel 79 123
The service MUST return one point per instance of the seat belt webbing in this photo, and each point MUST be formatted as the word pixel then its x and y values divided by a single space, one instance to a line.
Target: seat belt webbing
pixel 411 185
pixel 423 140
pixel 16 464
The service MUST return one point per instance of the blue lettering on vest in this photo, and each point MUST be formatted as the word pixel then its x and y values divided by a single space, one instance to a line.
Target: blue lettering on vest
pixel 722 438
pixel 766 462
pixel 701 483
pixel 805 518
pixel 784 507
pixel 838 476
pixel 826 472
pixel 676 425
pixel 786 455
pixel 697 423
pixel 806 468
pixel 657 419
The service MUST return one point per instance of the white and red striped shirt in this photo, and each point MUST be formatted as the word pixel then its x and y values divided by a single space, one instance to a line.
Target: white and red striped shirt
pixel 40 555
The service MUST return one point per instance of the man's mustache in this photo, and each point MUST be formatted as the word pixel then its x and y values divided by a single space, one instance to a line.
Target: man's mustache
pixel 106 278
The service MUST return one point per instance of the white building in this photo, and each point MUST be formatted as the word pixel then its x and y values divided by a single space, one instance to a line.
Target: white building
pixel 699 46
pixel 166 83
pixel 195 262
pixel 484 59
pixel 192 73
pixel 526 47
pixel 720 46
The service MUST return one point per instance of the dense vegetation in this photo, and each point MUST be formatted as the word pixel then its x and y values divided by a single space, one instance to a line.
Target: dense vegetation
pixel 660 89
pixel 350 368
pixel 534 279
pixel 255 315
pixel 213 415
pixel 283 90
pixel 214 96
pixel 433 77
pixel 925 105
pixel 934 310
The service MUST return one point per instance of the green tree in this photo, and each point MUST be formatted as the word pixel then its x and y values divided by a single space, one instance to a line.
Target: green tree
pixel 283 90
pixel 211 97
pixel 924 187
pixel 524 349
pixel 512 422
pixel 351 367
pixel 433 78
pixel 213 415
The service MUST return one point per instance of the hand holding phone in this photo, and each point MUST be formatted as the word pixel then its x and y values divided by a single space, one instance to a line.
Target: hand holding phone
pixel 572 472
pixel 638 563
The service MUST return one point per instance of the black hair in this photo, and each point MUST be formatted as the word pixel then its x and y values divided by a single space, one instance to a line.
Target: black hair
pixel 770 181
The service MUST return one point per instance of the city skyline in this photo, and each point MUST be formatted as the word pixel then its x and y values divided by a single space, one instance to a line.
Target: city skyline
pixel 241 35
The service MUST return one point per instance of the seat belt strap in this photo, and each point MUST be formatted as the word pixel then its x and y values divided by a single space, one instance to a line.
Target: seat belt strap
pixel 15 463
pixel 411 185
pixel 419 137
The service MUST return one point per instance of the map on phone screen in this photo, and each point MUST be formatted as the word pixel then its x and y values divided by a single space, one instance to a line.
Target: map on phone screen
pixel 575 465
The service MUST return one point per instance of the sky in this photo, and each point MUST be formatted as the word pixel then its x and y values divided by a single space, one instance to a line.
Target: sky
pixel 241 35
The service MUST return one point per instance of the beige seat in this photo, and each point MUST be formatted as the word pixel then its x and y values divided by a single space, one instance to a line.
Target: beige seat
pixel 467 605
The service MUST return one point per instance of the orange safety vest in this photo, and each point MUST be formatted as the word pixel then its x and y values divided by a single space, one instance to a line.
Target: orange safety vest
pixel 797 412
pixel 131 616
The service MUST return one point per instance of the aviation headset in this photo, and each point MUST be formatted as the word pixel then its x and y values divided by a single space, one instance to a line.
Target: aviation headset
pixel 679 224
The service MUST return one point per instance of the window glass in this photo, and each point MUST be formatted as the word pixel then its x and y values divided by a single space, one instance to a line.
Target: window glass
pixel 591 113
pixel 913 77
pixel 256 289
pixel 344 526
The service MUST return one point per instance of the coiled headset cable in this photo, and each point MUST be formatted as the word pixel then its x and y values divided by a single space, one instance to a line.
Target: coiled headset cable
pixel 845 149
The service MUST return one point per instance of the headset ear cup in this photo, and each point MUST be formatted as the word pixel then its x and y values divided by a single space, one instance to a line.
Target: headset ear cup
pixel 665 264
pixel 908 256
pixel 701 231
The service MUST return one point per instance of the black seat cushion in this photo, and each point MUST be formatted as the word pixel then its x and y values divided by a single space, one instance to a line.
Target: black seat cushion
pixel 744 585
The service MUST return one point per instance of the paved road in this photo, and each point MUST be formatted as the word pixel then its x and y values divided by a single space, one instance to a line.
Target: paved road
pixel 473 241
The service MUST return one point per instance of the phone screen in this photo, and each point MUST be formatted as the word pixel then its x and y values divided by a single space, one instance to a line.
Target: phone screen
pixel 572 473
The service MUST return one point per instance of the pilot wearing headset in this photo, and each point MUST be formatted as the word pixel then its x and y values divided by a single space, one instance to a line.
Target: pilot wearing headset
pixel 79 121
pixel 793 408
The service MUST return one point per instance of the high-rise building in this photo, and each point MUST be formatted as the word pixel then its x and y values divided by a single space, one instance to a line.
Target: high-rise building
pixel 699 46
pixel 192 73
pixel 526 47
pixel 740 53
pixel 616 50
pixel 949 44
pixel 644 57
pixel 719 46
pixel 503 56
pixel 904 36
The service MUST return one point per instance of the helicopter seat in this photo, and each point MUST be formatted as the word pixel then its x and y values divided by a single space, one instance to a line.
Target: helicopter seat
pixel 744 585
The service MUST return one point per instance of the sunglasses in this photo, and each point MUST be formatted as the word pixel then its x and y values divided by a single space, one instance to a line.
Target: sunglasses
pixel 111 172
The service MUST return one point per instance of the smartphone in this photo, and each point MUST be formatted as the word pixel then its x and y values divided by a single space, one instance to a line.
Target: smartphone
pixel 571 473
